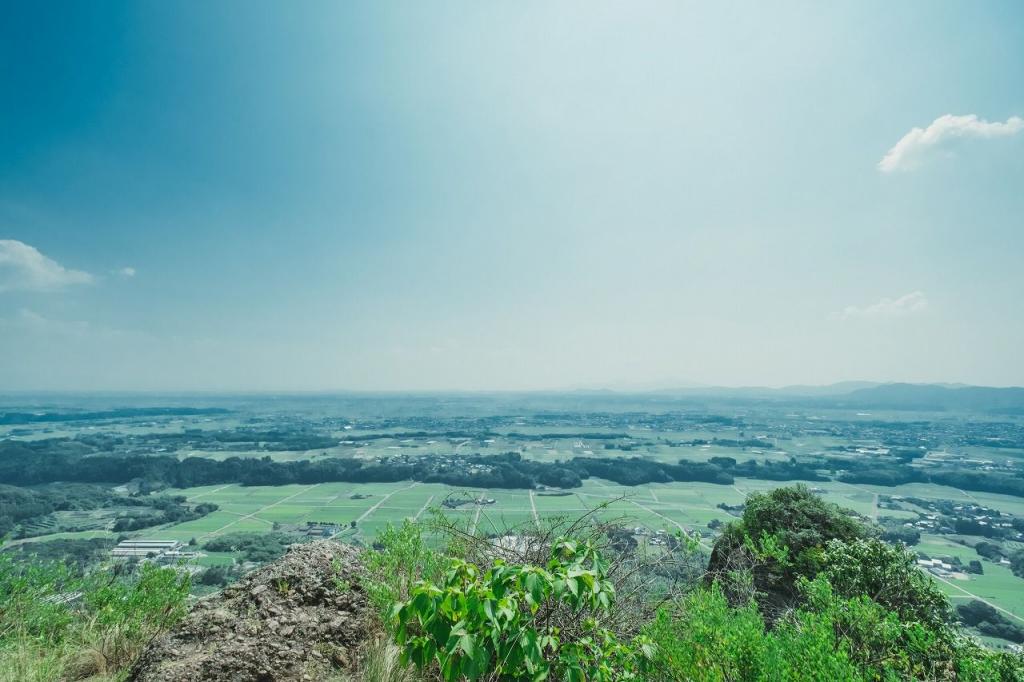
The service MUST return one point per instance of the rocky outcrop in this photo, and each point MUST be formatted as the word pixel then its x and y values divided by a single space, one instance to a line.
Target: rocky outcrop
pixel 293 619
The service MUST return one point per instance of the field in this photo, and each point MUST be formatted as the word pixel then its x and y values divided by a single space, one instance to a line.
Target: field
pixel 669 507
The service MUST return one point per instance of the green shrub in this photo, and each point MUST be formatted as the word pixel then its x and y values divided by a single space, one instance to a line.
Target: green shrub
pixel 795 518
pixel 703 639
pixel 142 606
pixel 401 558
pixel 56 624
pixel 501 623
pixel 33 600
pixel 890 576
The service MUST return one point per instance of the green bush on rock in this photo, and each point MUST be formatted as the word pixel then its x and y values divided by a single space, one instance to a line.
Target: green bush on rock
pixel 502 623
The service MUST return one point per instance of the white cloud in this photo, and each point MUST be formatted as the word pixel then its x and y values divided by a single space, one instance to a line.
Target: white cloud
pixel 24 267
pixel 908 304
pixel 914 147
pixel 126 272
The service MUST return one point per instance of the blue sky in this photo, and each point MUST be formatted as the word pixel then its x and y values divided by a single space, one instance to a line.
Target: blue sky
pixel 318 196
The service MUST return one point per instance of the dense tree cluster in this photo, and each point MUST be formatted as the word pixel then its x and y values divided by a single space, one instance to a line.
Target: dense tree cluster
pixel 18 504
pixel 874 473
pixel 989 621
pixel 163 509
pixel 988 550
pixel 79 552
pixel 91 459
pixel 794 518
pixel 215 575
pixel 256 547
pixel 1017 563
pixel 897 533
pixel 120 413
pixel 790 470
pixel 986 482
pixel 801 554
pixel 637 471
pixel 871 472
pixel 25 505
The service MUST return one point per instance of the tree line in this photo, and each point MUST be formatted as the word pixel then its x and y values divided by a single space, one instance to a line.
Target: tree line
pixel 29 463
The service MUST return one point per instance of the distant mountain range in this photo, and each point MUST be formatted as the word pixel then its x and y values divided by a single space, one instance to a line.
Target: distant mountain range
pixel 934 396
pixel 851 395
pixel 874 395
pixel 841 388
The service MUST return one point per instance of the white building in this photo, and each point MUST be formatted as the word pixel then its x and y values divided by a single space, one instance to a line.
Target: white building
pixel 144 548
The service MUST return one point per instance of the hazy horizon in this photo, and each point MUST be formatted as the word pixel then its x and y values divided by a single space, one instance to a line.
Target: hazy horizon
pixel 625 390
pixel 463 197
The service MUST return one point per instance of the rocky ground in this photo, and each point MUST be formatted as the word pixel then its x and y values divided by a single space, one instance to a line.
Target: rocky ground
pixel 293 619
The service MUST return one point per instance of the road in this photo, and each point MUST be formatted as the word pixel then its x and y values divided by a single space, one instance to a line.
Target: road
pixel 974 596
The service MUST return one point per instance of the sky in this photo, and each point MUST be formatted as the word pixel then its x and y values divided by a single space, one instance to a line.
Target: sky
pixel 320 196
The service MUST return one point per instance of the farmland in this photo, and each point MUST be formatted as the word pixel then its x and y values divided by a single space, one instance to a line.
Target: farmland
pixel 669 507
pixel 297 469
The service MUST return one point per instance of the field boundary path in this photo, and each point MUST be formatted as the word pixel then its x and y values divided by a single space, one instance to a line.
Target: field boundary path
pixel 533 506
pixel 327 504
pixel 210 492
pixel 383 500
pixel 241 515
pixel 423 508
pixel 261 509
pixel 857 487
pixel 479 508
pixel 968 496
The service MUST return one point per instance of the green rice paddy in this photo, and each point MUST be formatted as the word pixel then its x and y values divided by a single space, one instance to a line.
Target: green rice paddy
pixel 668 506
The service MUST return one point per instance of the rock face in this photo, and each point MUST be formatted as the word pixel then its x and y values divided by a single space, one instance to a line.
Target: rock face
pixel 293 619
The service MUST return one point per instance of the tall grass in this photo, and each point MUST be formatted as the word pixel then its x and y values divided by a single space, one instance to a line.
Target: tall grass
pixel 59 625
pixel 381 661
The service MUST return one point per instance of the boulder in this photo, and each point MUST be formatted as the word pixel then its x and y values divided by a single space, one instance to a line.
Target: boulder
pixel 293 619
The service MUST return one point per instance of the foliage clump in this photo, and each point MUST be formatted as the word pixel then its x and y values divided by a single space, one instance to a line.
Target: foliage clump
pixel 251 546
pixel 988 621
pixel 792 518
pixel 401 558
pixel 803 564
pixel 501 623
pixel 56 623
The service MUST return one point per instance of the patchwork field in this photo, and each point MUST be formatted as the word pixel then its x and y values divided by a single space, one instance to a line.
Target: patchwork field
pixel 669 506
